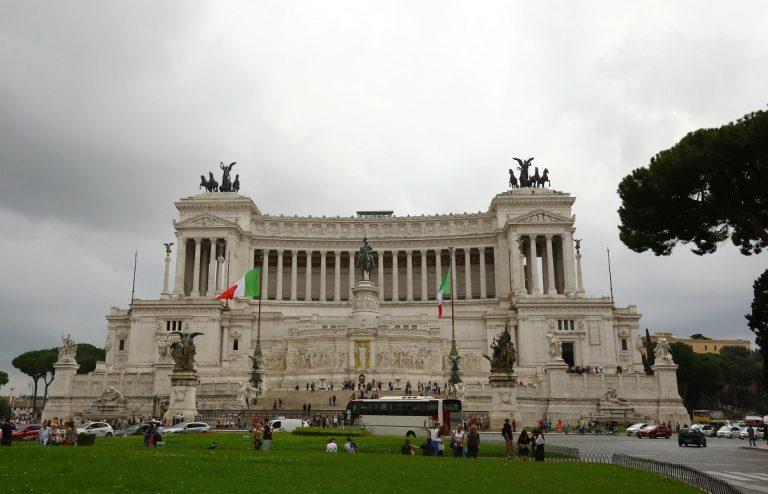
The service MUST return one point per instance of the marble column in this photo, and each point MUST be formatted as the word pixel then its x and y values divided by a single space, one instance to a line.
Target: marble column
pixel 424 290
pixel 395 269
pixel 322 275
pixel 337 276
pixel 468 274
pixel 483 288
pixel 351 272
pixel 533 265
pixel 220 274
pixel 181 265
pixel 380 269
pixel 453 274
pixel 308 277
pixel 196 270
pixel 568 267
pixel 409 275
pixel 438 270
pixel 502 269
pixel 551 288
pixel 211 267
pixel 579 278
pixel 294 272
pixel 515 264
pixel 279 279
pixel 265 274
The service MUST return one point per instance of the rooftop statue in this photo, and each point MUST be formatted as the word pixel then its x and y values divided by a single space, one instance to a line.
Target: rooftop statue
pixel 525 179
pixel 504 355
pixel 183 352
pixel 365 259
pixel 227 185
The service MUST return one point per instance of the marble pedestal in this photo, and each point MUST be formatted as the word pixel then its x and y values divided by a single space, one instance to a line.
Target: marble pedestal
pixel 183 395
pixel 504 400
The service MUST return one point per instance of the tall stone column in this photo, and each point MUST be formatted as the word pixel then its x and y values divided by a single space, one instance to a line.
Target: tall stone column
pixel 468 274
pixel 308 278
pixel 453 272
pixel 424 290
pixel 279 279
pixel 579 278
pixel 483 287
pixel 211 267
pixel 409 275
pixel 265 274
pixel 166 271
pixel 181 266
pixel 196 271
pixel 395 272
pixel 294 272
pixel 337 276
pixel 568 261
pixel 220 274
pixel 533 265
pixel 515 264
pixel 502 271
pixel 380 269
pixel 438 269
pixel 551 288
pixel 322 275
pixel 351 273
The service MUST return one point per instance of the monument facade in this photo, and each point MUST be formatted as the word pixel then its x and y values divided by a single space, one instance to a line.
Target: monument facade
pixel 332 310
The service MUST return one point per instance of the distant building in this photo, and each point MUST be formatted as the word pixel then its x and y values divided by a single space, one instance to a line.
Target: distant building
pixel 703 346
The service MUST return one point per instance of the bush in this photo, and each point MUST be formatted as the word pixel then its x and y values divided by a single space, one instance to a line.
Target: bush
pixel 85 439
pixel 327 431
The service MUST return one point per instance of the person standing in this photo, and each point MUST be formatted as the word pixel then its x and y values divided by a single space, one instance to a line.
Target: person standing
pixel 8 428
pixel 44 434
pixel 434 435
pixel 457 441
pixel 473 442
pixel 267 436
pixel 751 436
pixel 523 442
pixel 539 454
pixel 506 433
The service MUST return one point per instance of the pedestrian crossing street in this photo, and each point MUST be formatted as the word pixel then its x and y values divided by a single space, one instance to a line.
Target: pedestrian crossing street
pixel 757 482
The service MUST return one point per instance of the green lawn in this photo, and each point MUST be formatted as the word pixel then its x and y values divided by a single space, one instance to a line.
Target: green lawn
pixel 296 464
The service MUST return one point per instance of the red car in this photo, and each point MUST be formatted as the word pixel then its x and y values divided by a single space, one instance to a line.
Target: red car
pixel 27 432
pixel 654 431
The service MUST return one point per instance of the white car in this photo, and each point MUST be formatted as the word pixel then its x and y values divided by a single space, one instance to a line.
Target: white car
pixel 632 429
pixel 729 431
pixel 287 425
pixel 759 433
pixel 705 429
pixel 98 429
pixel 188 427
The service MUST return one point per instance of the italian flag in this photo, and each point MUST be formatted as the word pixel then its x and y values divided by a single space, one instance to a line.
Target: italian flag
pixel 445 289
pixel 247 286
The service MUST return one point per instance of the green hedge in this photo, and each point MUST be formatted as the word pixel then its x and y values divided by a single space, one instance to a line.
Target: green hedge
pixel 320 431
pixel 86 439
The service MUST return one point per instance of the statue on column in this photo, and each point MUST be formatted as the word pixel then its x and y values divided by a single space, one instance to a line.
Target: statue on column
pixel 183 352
pixel 168 248
pixel 524 165
pixel 662 352
pixel 68 348
pixel 555 348
pixel 365 259
pixel 504 355
pixel 226 182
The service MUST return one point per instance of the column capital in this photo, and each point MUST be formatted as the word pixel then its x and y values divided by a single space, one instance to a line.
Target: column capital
pixel 294 251
pixel 549 236
pixel 481 249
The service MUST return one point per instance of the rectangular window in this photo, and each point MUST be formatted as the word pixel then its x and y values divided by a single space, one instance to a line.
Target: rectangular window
pixel 623 344
pixel 121 345
pixel 235 344
pixel 173 326
pixel 565 325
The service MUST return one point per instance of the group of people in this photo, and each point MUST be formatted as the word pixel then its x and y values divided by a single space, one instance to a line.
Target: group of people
pixel 525 442
pixel 349 446
pixel 262 435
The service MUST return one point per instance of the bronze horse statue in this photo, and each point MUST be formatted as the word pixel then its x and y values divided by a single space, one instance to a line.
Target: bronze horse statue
pixel 211 185
pixel 512 179
pixel 544 178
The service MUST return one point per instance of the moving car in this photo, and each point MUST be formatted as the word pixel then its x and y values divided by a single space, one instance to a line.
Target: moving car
pixel 705 429
pixel 759 433
pixel 188 427
pixel 654 431
pixel 27 432
pixel 98 429
pixel 729 431
pixel 691 436
pixel 287 425
pixel 632 429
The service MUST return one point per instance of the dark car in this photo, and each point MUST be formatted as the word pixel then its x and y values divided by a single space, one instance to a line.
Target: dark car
pixel 28 432
pixel 654 431
pixel 691 436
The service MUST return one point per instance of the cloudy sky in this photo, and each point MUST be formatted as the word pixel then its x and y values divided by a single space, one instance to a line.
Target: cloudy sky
pixel 111 111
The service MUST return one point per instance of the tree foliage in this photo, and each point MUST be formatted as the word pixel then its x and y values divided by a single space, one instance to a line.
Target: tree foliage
pixel 87 356
pixel 758 319
pixel 699 336
pixel 36 364
pixel 707 188
pixel 648 355
pixel 3 378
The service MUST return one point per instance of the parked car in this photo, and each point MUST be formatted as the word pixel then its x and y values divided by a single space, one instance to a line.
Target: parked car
pixel 729 431
pixel 27 432
pixel 705 429
pixel 691 436
pixel 287 425
pixel 134 430
pixel 759 433
pixel 632 429
pixel 98 429
pixel 654 431
pixel 188 427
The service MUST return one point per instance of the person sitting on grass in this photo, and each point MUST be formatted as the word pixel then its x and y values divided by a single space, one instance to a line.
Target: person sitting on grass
pixel 350 446
pixel 407 448
pixel 331 446
pixel 523 442
pixel 427 449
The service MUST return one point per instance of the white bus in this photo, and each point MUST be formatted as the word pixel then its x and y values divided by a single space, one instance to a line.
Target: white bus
pixel 404 415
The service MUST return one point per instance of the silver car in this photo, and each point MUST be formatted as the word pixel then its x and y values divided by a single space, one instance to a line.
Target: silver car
pixel 188 427
pixel 632 429
pixel 98 429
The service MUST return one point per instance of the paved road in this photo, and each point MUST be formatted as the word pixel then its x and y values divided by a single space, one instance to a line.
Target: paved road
pixel 730 459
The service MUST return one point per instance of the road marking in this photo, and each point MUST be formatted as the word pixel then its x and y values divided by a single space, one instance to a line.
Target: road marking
pixel 735 479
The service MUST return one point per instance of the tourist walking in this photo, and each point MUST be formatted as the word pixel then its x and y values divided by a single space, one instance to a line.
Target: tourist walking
pixel 473 442
pixel 751 436
pixel 506 433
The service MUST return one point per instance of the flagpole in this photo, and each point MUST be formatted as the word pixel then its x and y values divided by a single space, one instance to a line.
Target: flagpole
pixel 454 354
pixel 133 286
pixel 257 355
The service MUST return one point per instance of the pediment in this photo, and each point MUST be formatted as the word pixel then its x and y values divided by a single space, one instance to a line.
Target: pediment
pixel 539 216
pixel 206 220
pixel 362 332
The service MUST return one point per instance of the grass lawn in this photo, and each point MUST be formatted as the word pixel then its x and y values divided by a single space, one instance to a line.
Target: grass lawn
pixel 296 464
